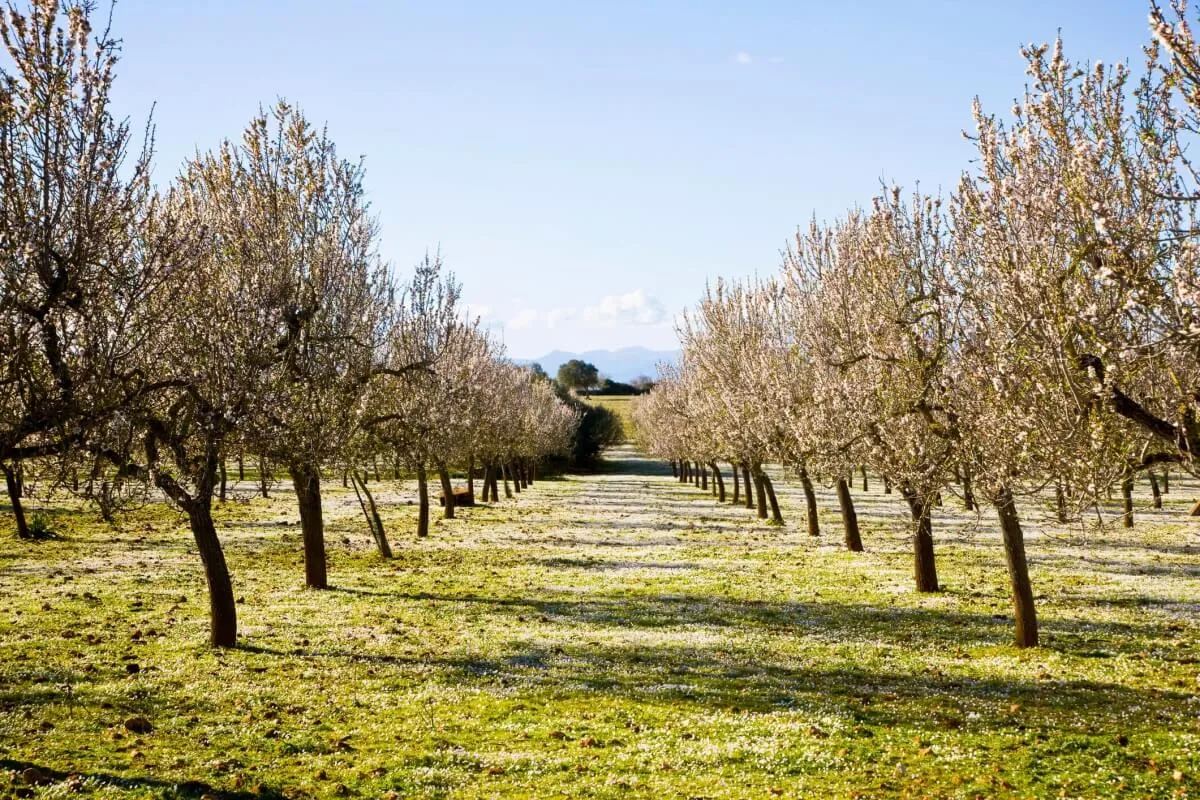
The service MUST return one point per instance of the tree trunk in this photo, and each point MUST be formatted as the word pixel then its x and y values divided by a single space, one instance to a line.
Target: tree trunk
pixel 523 471
pixel 241 468
pixel 1154 490
pixel 516 478
pixel 504 474
pixel 757 472
pixel 14 496
pixel 719 481
pixel 471 478
pixel 1060 502
pixel 221 494
pixel 307 480
pixel 810 502
pixel 222 611
pixel 866 486
pixel 1018 570
pixel 532 471
pixel 703 479
pixel 674 469
pixel 749 487
pixel 375 467
pixel 447 491
pixel 1127 501
pixel 924 567
pixel 887 485
pixel 1166 481
pixel 736 482
pixel 371 512
pixel 849 517
pixel 422 501
pixel 776 516
pixel 263 480
pixel 968 492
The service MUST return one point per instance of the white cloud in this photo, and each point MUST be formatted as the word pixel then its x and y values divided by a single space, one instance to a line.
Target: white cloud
pixel 555 316
pixel 529 317
pixel 743 57
pixel 524 319
pixel 631 308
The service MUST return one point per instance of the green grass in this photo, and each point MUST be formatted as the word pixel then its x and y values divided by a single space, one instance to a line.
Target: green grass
pixel 621 405
pixel 615 635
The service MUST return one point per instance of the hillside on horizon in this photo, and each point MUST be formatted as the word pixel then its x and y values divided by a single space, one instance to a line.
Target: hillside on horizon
pixel 623 364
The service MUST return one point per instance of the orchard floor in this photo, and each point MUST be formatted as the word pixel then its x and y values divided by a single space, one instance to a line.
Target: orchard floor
pixel 611 635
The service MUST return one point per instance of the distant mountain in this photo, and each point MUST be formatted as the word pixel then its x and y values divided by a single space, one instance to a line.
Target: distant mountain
pixel 620 365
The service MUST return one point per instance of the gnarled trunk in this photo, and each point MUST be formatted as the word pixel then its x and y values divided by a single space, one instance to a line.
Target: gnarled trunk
pixel 924 567
pixel 487 482
pixel 1060 502
pixel 1154 490
pixel 968 491
pixel 264 480
pixel 504 473
pixel 748 485
pixel 853 538
pixel 471 478
pixel 719 481
pixel 1018 569
pixel 1127 501
pixel 14 497
pixel 447 491
pixel 810 501
pixel 766 484
pixel 422 501
pixel 307 480
pixel 222 611
pixel 757 473
pixel 367 503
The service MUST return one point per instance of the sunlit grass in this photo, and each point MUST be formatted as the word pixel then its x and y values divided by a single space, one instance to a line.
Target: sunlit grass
pixel 617 635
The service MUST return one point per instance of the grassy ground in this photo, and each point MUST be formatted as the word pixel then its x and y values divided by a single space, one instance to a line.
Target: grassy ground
pixel 619 404
pixel 617 635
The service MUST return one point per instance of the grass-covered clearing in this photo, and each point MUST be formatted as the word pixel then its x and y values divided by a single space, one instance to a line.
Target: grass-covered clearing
pixel 619 404
pixel 617 635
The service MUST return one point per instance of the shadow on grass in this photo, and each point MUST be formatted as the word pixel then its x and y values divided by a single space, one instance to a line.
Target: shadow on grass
pixel 623 462
pixel 736 679
pixel 165 789
pixel 931 630
pixel 884 698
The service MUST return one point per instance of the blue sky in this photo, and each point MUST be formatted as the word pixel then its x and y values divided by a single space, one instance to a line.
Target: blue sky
pixel 585 168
